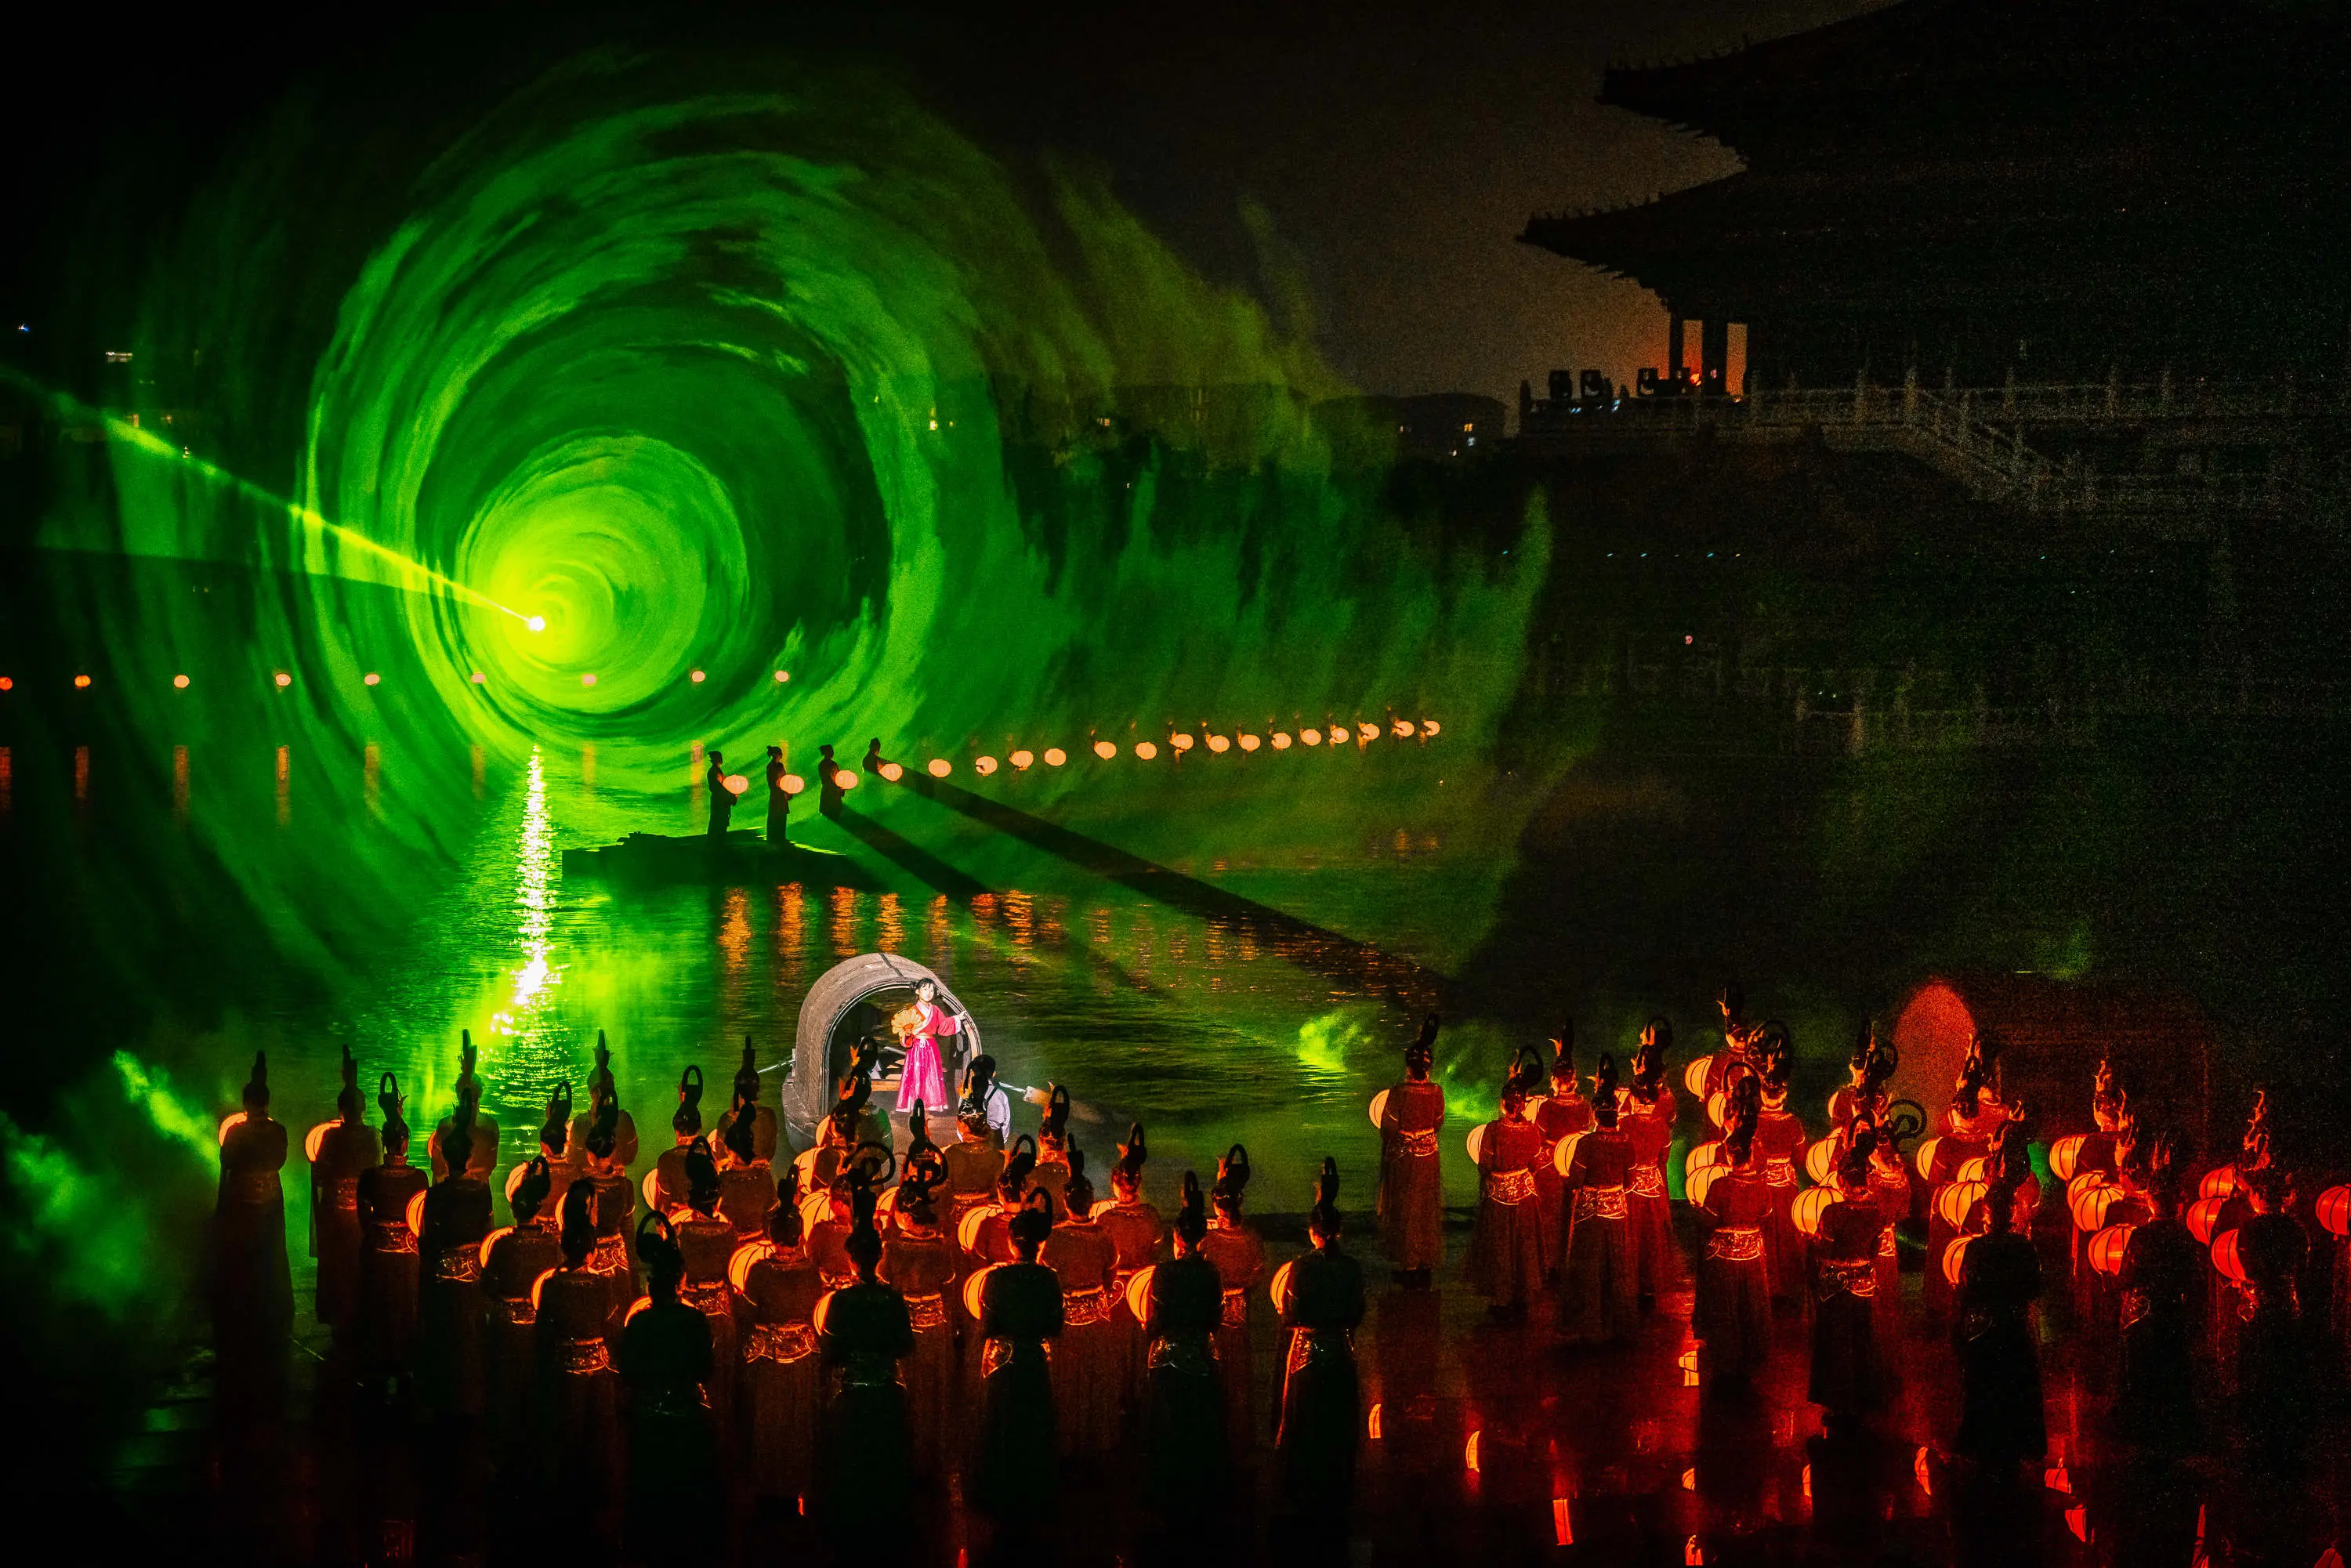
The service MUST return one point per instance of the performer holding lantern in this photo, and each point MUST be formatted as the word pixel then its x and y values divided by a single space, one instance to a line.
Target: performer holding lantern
pixel 1412 1194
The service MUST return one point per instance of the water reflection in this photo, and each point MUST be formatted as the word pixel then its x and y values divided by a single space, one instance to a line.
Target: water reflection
pixel 534 906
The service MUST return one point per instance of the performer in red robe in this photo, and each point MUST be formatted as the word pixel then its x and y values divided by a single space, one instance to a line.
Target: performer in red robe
pixel 1734 1282
pixel 1087 1372
pixel 576 1403
pixel 1969 1124
pixel 1015 1476
pixel 347 1147
pixel 1240 1258
pixel 1563 1114
pixel 918 1259
pixel 1780 1142
pixel 1599 1289
pixel 778 1287
pixel 745 1178
pixel 1508 1250
pixel 512 1261
pixel 1847 1358
pixel 973 1162
pixel 1740 1038
pixel 1321 1397
pixel 615 1260
pixel 456 1219
pixel 705 1243
pixel 1185 1441
pixel 685 1122
pixel 1889 1183
pixel 1645 1114
pixel 484 1143
pixel 1138 1236
pixel 1052 1172
pixel 386 1320
pixel 1412 1187
pixel 746 1103
pixel 253 1285
pixel 603 1090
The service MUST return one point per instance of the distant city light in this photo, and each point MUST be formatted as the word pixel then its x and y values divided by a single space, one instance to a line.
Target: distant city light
pixel 1055 757
pixel 283 679
pixel 80 681
pixel 180 682
pixel 537 623
pixel 371 679
pixel 698 677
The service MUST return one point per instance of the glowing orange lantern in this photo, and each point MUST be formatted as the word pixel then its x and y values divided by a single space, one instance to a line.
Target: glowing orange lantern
pixel 1955 1261
pixel 891 771
pixel 1147 749
pixel 1138 1294
pixel 1703 1156
pixel 1367 733
pixel 180 682
pixel 939 768
pixel 975 1290
pixel 736 783
pixel 1971 1170
pixel 1180 741
pixel 2108 1247
pixel 313 1139
pixel 1105 750
pixel 1810 1204
pixel 2064 1154
pixel 1310 737
pixel 1956 1200
pixel 2227 1258
pixel 1055 757
pixel 968 1229
pixel 823 1310
pixel 514 1179
pixel 2334 1210
pixel 1251 742
pixel 2090 1209
pixel 2202 1216
pixel 1702 1183
pixel 1379 1106
pixel 649 1189
pixel 1922 1158
pixel 283 679
pixel 2218 1182
pixel 416 1215
pixel 844 780
pixel 1280 738
pixel 1279 1288
pixel 986 765
pixel 2084 1182
pixel 1476 1141
pixel 1401 728
pixel 746 1257
pixel 639 1305
pixel 1717 1108
pixel 1023 760
pixel 1694 1075
pixel 816 1207
pixel 233 1120
pixel 1218 743
pixel 794 783
pixel 1562 1156
pixel 1820 1159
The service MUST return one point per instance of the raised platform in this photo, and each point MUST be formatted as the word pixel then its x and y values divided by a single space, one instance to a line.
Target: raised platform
pixel 652 860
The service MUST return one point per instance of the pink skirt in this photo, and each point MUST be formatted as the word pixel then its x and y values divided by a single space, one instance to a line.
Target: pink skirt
pixel 920 1077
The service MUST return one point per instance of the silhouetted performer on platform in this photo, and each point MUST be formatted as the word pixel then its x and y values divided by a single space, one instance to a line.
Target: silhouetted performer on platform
pixel 485 1143
pixel 721 799
pixel 871 763
pixel 1086 1368
pixel 827 778
pixel 1321 1397
pixel 779 800
pixel 253 1289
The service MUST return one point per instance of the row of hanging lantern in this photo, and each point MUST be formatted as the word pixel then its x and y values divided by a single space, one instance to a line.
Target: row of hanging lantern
pixel 1180 742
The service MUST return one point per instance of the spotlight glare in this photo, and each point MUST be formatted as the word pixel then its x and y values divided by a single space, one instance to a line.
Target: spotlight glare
pixel 180 682
pixel 537 623
pixel 284 680
pixel 940 768
pixel 1055 757
pixel 371 679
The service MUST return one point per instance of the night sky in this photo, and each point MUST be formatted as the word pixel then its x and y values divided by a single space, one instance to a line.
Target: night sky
pixel 1394 151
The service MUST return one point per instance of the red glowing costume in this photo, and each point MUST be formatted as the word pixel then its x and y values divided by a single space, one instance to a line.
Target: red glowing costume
pixel 512 1261
pixel 1889 1185
pixel 449 1349
pixel 1847 1358
pixel 1412 1187
pixel 1138 1239
pixel 922 1075
pixel 1508 1250
pixel 386 1321
pixel 1239 1258
pixel 973 1167
pixel 920 1263
pixel 1648 1128
pixel 1185 1439
pixel 707 1244
pixel 1599 1287
pixel 1564 1114
pixel 1734 1283
pixel 779 1388
pixel 346 1149
pixel 1087 1369
pixel 1780 1144
pixel 1020 1314
pixel 615 1259
pixel 865 1455
pixel 577 1406
pixel 1321 1398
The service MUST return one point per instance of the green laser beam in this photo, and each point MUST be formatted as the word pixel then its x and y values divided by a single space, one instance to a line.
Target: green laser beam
pixel 147 441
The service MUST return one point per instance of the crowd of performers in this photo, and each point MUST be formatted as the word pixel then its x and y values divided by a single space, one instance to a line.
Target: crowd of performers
pixel 840 1328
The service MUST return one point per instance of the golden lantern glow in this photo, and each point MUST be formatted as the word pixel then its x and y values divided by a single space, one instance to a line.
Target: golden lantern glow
pixel 1810 1204
pixel 649 1189
pixel 2090 1209
pixel 1310 737
pixel 1955 1202
pixel 1820 1159
pixel 1693 1075
pixel 2333 1210
pixel 233 1120
pixel 514 1179
pixel 639 1305
pixel 939 768
pixel 2228 1258
pixel 823 1310
pixel 794 783
pixel 1428 728
pixel 816 1208
pixel 1180 741
pixel 985 766
pixel 587 680
pixel 482 1253
pixel 1105 749
pixel 1702 1183
pixel 284 680
pixel 2201 1217
pixel 1023 761
pixel 1402 729
pixel 1922 1158
pixel 974 1289
pixel 968 1227
pixel 844 779
pixel 1955 1261
pixel 1476 1142
pixel 1138 1294
pixel 371 678
pixel 2106 1248
pixel 81 683
pixel 1469 1452
pixel 1562 1154
pixel 1251 742
pixel 2218 1182
pixel 1055 757
pixel 1372 1424
pixel 1280 738
pixel 180 682
pixel 892 772
pixel 416 1215
pixel 1147 749
pixel 2064 1154
pixel 1717 1108
pixel 1278 1289
pixel 1563 1527
pixel 313 1139
pixel 746 1258
pixel 1918 1468
pixel 1703 1156
pixel 1367 733
pixel 1218 743
pixel 1379 1106
pixel 1971 1170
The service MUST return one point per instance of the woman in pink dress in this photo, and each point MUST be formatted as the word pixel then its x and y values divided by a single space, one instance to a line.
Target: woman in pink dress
pixel 922 1076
